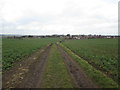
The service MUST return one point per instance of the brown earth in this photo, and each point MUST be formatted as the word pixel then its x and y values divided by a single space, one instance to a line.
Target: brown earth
pixel 79 77
pixel 26 73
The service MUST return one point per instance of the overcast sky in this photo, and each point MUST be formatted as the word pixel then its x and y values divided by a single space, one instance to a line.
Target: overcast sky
pixel 40 17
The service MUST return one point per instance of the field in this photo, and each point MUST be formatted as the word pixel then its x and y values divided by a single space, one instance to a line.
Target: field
pixel 16 49
pixel 101 53
pixel 47 63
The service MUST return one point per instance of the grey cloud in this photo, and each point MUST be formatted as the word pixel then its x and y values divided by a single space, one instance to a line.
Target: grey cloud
pixel 75 18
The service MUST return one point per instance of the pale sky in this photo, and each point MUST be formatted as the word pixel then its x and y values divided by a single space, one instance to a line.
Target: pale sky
pixel 41 17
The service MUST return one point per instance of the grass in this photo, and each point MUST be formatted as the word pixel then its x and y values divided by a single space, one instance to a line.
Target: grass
pixel 100 78
pixel 16 49
pixel 101 53
pixel 56 75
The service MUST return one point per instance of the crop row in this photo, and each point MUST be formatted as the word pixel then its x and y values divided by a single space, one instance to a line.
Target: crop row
pixel 101 53
pixel 15 49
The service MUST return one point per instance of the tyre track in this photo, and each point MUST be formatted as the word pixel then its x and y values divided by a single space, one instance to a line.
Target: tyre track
pixel 27 73
pixel 80 79
pixel 34 76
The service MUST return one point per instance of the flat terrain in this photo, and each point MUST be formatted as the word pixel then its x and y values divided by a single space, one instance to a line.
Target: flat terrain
pixel 52 65
pixel 100 53
pixel 76 72
pixel 39 70
pixel 27 73
pixel 15 49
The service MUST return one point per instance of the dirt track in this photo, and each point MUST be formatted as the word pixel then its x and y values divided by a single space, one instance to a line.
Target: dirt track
pixel 80 79
pixel 28 73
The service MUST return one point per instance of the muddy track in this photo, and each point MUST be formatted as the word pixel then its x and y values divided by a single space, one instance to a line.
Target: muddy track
pixel 27 73
pixel 80 79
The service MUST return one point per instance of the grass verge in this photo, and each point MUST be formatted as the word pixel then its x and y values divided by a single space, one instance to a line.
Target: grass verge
pixel 101 79
pixel 56 75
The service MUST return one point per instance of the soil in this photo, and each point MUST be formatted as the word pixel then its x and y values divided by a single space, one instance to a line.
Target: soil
pixel 27 73
pixel 80 79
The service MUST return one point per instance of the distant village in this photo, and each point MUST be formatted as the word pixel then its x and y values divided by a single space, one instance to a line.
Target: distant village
pixel 68 36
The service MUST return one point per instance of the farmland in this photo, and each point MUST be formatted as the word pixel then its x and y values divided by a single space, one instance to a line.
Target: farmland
pixel 47 63
pixel 16 49
pixel 101 53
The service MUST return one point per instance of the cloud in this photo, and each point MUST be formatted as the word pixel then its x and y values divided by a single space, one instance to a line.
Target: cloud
pixel 60 16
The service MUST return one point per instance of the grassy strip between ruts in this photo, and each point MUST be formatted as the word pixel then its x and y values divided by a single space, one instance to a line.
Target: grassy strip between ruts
pixel 56 74
pixel 101 79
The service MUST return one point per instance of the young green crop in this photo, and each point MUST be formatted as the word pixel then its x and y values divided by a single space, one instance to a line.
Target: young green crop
pixel 15 49
pixel 101 53
pixel 97 76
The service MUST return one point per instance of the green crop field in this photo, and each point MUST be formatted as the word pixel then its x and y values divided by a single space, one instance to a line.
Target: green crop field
pixel 101 53
pixel 97 57
pixel 15 49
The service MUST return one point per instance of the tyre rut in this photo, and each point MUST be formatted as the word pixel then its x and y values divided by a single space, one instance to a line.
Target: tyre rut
pixel 80 79
pixel 34 76
pixel 27 73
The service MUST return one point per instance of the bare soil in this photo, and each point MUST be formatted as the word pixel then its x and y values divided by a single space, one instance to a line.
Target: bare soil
pixel 80 79
pixel 26 73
